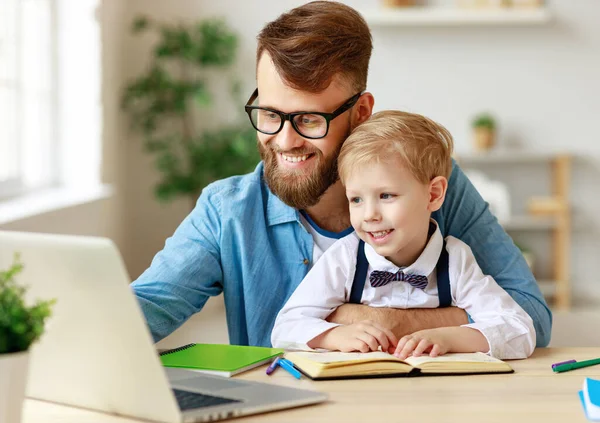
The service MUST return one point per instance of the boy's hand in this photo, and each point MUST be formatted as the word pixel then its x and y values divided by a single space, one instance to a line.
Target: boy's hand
pixel 433 341
pixel 363 336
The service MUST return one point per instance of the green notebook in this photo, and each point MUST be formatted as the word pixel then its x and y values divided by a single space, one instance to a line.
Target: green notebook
pixel 218 359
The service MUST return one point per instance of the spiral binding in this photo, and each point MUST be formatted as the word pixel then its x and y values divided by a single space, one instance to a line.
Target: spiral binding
pixel 174 350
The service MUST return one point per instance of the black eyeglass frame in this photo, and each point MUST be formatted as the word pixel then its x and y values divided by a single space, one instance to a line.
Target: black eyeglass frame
pixel 290 116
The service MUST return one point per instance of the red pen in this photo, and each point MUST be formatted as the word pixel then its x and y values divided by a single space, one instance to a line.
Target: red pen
pixel 273 366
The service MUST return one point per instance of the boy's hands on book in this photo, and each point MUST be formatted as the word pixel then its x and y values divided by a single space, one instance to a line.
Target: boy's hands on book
pixel 440 341
pixel 363 336
pixel 432 341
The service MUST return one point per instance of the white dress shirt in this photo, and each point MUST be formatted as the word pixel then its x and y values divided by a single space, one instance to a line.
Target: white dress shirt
pixel 506 326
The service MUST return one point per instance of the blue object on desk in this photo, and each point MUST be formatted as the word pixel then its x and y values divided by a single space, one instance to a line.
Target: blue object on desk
pixel 590 399
pixel 288 366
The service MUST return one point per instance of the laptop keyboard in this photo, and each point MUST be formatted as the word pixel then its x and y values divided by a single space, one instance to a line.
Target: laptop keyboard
pixel 191 400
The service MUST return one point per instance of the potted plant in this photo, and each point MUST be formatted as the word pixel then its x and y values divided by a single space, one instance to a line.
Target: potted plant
pixel 169 106
pixel 484 127
pixel 20 326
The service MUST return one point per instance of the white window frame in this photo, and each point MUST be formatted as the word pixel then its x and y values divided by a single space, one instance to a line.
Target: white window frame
pixel 26 182
pixel 77 147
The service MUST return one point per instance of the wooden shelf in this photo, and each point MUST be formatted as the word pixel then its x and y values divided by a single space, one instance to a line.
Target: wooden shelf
pixel 439 16
pixel 505 157
pixel 548 288
pixel 550 212
pixel 529 223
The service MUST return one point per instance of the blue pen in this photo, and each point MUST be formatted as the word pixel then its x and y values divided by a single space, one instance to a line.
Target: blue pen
pixel 288 366
pixel 273 365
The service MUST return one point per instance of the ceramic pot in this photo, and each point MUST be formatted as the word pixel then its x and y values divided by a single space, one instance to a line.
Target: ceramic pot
pixel 398 3
pixel 484 139
pixel 13 379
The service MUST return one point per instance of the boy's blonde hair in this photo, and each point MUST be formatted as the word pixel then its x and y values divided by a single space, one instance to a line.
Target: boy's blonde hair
pixel 422 145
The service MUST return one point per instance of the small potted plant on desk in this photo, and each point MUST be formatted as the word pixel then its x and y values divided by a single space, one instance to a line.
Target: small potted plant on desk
pixel 484 127
pixel 20 326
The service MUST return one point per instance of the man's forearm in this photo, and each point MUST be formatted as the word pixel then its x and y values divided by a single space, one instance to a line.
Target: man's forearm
pixel 400 321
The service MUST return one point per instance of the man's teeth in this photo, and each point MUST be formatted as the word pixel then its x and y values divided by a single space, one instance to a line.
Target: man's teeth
pixel 381 233
pixel 294 159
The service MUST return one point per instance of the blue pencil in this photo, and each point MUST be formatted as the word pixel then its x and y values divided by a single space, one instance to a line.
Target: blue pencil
pixel 288 366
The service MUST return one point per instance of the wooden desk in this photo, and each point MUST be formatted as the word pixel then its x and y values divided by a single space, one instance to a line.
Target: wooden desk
pixel 532 394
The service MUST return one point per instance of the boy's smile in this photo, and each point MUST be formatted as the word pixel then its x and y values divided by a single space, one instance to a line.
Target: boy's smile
pixel 380 237
pixel 390 210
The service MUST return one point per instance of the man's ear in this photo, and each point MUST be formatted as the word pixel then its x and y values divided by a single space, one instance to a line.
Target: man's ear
pixel 437 193
pixel 363 109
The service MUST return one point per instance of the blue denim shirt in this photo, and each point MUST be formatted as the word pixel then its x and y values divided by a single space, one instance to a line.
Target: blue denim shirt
pixel 243 241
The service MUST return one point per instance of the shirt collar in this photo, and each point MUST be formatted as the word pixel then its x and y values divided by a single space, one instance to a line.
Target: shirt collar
pixel 277 211
pixel 424 265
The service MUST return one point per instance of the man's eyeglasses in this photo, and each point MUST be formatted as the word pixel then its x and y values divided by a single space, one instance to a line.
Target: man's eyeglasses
pixel 313 125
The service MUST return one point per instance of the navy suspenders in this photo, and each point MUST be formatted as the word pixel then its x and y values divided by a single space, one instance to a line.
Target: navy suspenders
pixel 443 280
pixel 362 265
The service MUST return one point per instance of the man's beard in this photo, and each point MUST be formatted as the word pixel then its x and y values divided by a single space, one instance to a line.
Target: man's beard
pixel 298 188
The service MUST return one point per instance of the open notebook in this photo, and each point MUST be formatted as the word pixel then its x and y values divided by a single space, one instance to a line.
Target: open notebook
pixel 337 365
pixel 218 359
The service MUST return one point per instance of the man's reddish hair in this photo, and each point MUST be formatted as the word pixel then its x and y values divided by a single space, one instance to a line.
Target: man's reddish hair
pixel 313 43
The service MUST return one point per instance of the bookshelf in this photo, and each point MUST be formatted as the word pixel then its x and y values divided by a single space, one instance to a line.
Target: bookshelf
pixel 551 213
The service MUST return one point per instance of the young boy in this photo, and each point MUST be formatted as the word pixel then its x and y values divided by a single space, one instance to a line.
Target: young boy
pixel 395 170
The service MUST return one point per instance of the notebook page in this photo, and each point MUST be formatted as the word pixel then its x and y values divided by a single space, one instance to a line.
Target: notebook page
pixel 456 358
pixel 338 357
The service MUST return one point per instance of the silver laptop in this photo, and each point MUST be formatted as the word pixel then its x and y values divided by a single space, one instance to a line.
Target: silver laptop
pixel 97 351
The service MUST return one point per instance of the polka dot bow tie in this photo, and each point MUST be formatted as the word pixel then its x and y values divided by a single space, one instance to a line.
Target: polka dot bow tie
pixel 381 278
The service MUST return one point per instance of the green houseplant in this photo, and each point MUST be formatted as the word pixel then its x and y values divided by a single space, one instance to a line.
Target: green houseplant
pixel 484 126
pixel 169 104
pixel 20 326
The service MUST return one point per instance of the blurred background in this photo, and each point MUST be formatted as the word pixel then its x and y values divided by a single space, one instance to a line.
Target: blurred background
pixel 114 114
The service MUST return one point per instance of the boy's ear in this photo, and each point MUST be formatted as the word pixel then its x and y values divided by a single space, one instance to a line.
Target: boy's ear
pixel 437 193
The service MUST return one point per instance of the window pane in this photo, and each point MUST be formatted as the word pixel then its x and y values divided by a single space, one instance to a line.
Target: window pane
pixel 9 154
pixel 8 41
pixel 37 133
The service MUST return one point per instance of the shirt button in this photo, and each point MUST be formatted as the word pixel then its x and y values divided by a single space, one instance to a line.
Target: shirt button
pixel 305 261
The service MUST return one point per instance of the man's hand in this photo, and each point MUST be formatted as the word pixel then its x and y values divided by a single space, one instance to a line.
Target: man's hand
pixel 441 341
pixel 401 322
pixel 364 336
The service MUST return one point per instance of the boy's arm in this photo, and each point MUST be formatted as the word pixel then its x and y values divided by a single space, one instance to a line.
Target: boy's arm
pixel 466 216
pixel 185 273
pixel 507 328
pixel 302 318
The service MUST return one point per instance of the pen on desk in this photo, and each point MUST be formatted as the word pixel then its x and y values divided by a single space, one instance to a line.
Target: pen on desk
pixel 576 365
pixel 562 362
pixel 273 365
pixel 288 366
